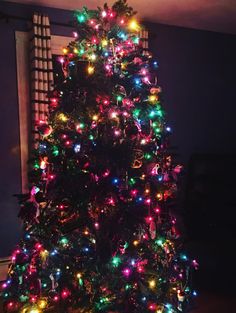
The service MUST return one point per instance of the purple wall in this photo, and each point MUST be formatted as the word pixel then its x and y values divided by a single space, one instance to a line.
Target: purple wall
pixel 197 73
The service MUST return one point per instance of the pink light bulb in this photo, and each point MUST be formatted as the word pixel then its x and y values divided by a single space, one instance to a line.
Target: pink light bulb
pixel 140 269
pixel 61 60
pixel 149 219
pixel 65 294
pixel 94 40
pixel 33 299
pixel 38 246
pixel 117 132
pixel 148 201
pixel 134 192
pixel 127 272
pixel 152 307
pixel 145 236
pixel 111 201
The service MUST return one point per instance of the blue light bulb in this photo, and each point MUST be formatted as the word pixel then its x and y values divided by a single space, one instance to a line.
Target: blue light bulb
pixel 115 181
pixel 77 148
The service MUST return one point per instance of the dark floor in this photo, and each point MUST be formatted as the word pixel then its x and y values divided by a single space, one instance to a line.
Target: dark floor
pixel 215 280
pixel 215 303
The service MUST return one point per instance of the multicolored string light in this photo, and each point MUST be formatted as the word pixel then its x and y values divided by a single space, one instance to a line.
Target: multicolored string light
pixel 99 235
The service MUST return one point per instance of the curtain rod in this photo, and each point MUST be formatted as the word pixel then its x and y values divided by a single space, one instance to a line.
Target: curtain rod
pixel 7 18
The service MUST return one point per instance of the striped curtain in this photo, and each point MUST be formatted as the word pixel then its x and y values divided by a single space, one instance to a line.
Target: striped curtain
pixel 41 71
pixel 144 37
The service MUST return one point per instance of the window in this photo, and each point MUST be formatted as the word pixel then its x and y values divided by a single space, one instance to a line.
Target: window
pixel 23 83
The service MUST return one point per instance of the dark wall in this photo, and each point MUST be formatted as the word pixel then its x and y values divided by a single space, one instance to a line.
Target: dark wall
pixel 197 70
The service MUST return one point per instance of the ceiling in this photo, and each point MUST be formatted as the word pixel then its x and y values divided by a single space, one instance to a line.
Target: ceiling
pixel 213 15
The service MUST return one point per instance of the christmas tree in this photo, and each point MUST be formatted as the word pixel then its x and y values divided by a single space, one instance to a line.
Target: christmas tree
pixel 98 232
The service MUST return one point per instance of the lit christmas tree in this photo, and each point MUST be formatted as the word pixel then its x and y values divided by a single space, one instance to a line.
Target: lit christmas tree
pixel 98 233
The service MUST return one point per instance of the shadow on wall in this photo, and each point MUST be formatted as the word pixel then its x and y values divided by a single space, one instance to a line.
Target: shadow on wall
pixel 210 200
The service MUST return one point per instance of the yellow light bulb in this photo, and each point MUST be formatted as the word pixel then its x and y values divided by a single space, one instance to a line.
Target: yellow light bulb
pixel 93 57
pixel 147 190
pixel 152 98
pixel 152 283
pixel 79 275
pixel 104 42
pixel 134 26
pixel 44 254
pixel 34 310
pixel 136 242
pixel 159 196
pixel 42 304
pixel 76 50
pixel 63 117
pixel 95 117
pixel 90 70
pixel 65 50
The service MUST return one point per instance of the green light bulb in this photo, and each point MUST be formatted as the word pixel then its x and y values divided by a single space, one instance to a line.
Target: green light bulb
pixel 157 130
pixel 81 51
pixel 81 18
pixel 160 113
pixel 152 113
pixel 36 165
pixel 119 98
pixel 91 137
pixel 136 40
pixel 132 181
pixel 127 287
pixel 116 261
pixel 159 242
pixel 55 151
pixel 147 156
pixel 64 240
pixel 136 113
